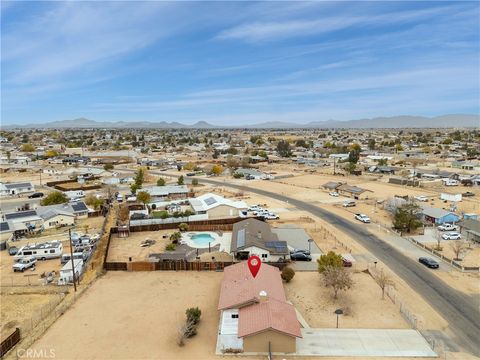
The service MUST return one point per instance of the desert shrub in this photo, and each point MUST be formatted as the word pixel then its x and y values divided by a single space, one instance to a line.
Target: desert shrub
pixel 287 274
pixel 193 314
pixel 194 182
pixel 183 227
pixel 171 247
pixel 175 237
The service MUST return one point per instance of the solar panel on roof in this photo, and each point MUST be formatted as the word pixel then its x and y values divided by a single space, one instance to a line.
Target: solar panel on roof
pixel 4 226
pixel 21 214
pixel 241 238
pixel 210 201
pixel 79 206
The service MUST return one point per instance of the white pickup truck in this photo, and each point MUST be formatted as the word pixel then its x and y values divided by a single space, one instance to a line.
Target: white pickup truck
pixel 448 227
pixel 363 218
pixel 24 263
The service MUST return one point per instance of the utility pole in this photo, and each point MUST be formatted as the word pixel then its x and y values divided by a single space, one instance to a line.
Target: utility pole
pixel 334 165
pixel 71 258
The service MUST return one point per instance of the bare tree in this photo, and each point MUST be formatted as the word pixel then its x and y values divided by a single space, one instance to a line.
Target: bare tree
pixel 458 247
pixel 337 278
pixel 123 213
pixel 185 331
pixel 384 280
pixel 438 237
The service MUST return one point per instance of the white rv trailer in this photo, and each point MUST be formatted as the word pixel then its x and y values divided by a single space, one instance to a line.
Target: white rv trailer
pixel 41 251
pixel 75 194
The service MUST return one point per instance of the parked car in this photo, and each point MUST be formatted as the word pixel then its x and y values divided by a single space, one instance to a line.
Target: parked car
pixel 271 216
pixel 254 208
pixel 349 203
pixel 138 216
pixel 468 194
pixel 35 195
pixel 191 174
pixel 12 250
pixel 421 198
pixel 452 236
pixel 429 262
pixel 346 262
pixel 448 227
pixel 299 256
pixel 24 263
pixel 363 218
pixel 333 193
pixel 306 252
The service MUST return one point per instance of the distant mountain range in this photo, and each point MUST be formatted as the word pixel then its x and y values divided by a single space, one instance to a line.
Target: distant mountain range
pixel 394 122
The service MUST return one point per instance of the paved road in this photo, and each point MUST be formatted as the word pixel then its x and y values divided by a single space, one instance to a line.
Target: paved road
pixel 460 310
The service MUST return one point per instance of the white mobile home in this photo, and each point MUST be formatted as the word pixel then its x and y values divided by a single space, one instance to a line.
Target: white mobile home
pixel 11 189
pixel 75 194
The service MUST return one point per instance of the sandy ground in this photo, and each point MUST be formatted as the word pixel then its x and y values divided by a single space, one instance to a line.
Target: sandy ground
pixel 143 318
pixel 362 304
pixel 123 248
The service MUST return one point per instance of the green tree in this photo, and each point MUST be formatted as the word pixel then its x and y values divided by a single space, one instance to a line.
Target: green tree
pixel 133 188
pixel 371 144
pixel 56 197
pixel 217 170
pixel 161 182
pixel 94 202
pixel 139 178
pixel 329 259
pixel 27 148
pixel 144 197
pixel 194 182
pixel 406 217
pixel 283 148
pixel 354 154
pixel 108 167
pixel 181 180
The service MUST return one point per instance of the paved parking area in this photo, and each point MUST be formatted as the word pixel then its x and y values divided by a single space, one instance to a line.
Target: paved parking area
pixel 363 342
pixel 297 238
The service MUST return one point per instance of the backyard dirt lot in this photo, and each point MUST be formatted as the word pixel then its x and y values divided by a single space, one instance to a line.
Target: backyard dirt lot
pixel 123 248
pixel 362 305
pixel 138 321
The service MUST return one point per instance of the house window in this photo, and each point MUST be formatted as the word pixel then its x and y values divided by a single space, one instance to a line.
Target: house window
pixel 264 256
pixel 234 316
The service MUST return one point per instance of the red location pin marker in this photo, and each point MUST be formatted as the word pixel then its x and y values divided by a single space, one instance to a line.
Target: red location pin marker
pixel 254 264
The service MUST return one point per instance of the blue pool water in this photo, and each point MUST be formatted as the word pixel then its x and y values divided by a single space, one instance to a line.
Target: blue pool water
pixel 202 239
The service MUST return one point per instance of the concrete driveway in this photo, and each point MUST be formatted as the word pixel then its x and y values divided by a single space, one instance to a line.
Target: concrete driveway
pixel 363 342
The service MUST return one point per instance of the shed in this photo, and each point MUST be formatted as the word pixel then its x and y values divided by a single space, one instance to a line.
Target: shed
pixel 471 228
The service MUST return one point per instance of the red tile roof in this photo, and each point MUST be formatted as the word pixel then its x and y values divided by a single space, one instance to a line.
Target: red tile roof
pixel 240 290
pixel 266 315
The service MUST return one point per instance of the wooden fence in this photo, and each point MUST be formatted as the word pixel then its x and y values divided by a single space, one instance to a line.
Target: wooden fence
pixel 199 225
pixel 9 342
pixel 174 265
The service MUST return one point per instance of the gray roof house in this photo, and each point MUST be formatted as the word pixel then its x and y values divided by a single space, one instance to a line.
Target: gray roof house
pixel 254 237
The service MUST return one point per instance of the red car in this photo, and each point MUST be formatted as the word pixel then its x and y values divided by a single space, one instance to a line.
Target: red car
pixel 346 263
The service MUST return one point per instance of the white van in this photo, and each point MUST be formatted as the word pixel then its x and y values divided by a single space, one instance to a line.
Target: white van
pixel 349 203
pixel 43 251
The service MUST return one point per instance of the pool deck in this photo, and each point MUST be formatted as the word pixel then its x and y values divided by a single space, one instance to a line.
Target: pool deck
pixel 221 239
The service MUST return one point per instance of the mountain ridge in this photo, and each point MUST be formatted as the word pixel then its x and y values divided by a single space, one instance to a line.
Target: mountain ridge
pixel 392 122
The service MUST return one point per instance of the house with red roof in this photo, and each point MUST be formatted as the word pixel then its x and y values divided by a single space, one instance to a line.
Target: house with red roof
pixel 255 314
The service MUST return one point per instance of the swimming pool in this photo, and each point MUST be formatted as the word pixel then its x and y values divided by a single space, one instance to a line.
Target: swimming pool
pixel 202 239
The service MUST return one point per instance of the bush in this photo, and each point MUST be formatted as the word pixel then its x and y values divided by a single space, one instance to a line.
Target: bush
pixel 330 259
pixel 171 247
pixel 193 315
pixel 108 167
pixel 161 182
pixel 287 274
pixel 238 175
pixel 175 237
pixel 183 227
pixel 194 182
